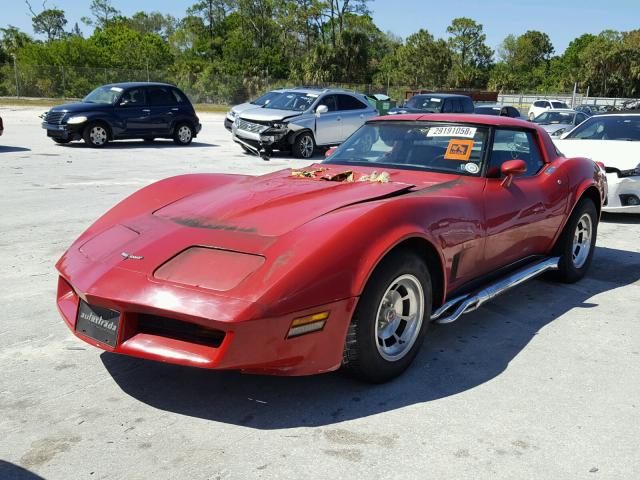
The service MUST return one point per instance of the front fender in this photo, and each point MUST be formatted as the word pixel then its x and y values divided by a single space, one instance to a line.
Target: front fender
pixel 332 257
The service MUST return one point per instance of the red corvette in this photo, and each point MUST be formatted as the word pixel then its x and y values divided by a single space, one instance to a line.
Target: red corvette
pixel 414 219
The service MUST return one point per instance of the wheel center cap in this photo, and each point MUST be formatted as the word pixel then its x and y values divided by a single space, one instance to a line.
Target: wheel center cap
pixel 390 316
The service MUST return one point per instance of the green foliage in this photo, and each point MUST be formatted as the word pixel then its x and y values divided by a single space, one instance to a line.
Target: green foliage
pixel 471 57
pixel 228 50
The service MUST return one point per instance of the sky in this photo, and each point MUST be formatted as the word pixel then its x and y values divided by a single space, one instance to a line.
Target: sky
pixel 562 20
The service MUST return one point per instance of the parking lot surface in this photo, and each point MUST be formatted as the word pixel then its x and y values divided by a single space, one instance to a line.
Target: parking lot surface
pixel 544 382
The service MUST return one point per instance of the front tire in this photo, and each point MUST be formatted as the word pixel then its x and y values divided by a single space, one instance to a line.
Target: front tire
pixel 183 134
pixel 96 135
pixel 577 242
pixel 303 146
pixel 391 319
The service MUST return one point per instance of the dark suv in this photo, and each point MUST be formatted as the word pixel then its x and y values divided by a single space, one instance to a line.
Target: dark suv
pixel 125 110
pixel 435 103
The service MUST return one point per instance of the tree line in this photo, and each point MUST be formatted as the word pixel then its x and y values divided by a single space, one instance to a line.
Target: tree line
pixel 228 44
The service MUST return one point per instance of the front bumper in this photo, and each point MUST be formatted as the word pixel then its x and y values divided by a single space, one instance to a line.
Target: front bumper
pixel 64 131
pixel 266 139
pixel 246 343
pixel 623 194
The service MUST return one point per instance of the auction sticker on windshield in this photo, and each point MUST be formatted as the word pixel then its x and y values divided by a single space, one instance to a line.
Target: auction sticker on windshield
pixel 459 150
pixel 465 132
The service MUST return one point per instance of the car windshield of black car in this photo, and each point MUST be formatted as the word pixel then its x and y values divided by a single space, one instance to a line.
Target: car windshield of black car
pixel 106 95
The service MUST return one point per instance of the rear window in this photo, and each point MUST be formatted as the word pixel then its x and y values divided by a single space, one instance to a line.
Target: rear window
pixel 179 96
pixel 559 105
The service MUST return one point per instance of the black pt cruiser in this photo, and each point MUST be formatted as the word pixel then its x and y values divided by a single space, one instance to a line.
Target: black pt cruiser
pixel 122 111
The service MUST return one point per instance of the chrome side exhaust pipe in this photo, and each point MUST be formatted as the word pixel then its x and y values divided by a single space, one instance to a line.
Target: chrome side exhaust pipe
pixel 468 303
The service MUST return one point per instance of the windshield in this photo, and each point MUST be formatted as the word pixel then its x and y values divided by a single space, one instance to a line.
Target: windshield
pixel 449 148
pixel 424 102
pixel 554 117
pixel 292 101
pixel 107 95
pixel 267 97
pixel 619 127
pixel 559 105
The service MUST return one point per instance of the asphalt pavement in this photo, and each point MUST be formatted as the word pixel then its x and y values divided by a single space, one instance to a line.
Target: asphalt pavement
pixel 542 383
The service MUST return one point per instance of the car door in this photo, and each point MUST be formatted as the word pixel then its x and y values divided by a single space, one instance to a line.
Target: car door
pixel 163 109
pixel 352 111
pixel 328 124
pixel 524 216
pixel 132 113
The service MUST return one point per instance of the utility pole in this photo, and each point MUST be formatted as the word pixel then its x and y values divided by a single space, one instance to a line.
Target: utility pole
pixel 15 69
pixel 147 69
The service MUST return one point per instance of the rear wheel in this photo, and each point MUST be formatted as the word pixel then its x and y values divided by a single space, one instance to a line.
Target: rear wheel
pixel 183 134
pixel 303 145
pixel 390 320
pixel 96 135
pixel 577 242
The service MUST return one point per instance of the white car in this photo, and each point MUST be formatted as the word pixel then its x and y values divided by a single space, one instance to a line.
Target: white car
pixel 613 140
pixel 556 121
pixel 243 107
pixel 540 106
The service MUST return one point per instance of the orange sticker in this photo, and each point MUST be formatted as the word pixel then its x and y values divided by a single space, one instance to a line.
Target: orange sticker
pixel 459 149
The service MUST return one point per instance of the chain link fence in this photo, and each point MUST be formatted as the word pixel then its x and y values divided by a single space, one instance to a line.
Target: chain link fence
pixel 50 81
pixel 204 86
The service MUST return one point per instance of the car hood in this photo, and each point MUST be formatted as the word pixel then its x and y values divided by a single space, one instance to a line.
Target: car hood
pixel 79 107
pixel 238 109
pixel 269 114
pixel 554 127
pixel 272 205
pixel 620 154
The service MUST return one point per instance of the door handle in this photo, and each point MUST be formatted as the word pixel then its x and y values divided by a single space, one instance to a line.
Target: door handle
pixel 175 109
pixel 146 110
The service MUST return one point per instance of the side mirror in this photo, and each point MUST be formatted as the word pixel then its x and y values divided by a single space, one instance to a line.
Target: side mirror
pixel 329 152
pixel 321 109
pixel 510 169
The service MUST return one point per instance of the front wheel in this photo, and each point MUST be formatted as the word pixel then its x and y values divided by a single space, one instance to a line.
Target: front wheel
pixel 390 320
pixel 303 145
pixel 96 135
pixel 183 134
pixel 577 242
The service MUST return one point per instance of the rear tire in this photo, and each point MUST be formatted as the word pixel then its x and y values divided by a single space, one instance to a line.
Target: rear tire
pixel 303 146
pixel 391 319
pixel 577 243
pixel 96 135
pixel 183 134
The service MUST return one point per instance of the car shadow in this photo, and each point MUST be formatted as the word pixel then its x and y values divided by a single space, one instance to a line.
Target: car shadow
pixel 9 149
pixel 119 144
pixel 624 218
pixel 10 471
pixel 455 358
